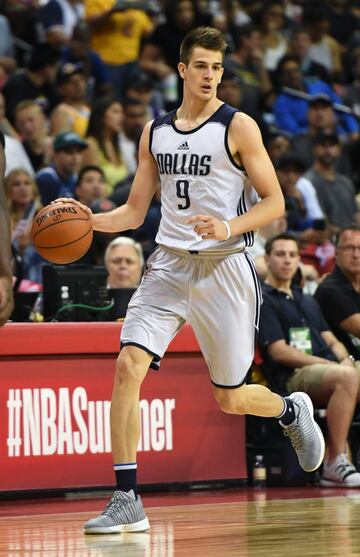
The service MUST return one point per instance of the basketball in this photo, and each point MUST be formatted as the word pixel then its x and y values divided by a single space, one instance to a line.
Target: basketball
pixel 62 232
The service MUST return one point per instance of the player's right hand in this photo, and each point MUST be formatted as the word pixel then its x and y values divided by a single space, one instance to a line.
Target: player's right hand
pixel 75 202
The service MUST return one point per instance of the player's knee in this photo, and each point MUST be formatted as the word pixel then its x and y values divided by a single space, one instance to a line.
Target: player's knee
pixel 129 370
pixel 230 401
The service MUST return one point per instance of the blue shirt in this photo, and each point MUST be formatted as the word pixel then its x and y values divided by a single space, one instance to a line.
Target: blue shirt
pixel 291 112
pixel 51 185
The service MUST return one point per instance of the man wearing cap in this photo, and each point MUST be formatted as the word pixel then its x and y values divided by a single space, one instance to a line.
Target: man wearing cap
pixel 60 178
pixel 322 118
pixel 291 105
pixel 335 191
pixel 73 113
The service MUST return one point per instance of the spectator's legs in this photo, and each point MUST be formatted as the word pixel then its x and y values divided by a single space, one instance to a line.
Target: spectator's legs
pixel 337 391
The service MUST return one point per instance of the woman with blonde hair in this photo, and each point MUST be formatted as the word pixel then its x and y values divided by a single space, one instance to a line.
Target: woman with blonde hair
pixel 24 202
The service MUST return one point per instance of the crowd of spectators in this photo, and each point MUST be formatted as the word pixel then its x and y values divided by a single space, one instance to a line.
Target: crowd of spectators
pixel 80 79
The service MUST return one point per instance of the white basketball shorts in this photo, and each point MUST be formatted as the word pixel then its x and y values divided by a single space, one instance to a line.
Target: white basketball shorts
pixel 218 294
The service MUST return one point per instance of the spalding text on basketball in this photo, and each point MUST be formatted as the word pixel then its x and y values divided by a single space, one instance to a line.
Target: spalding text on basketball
pixel 56 211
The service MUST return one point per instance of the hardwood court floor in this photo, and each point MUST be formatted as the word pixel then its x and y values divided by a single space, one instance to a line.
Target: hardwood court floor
pixel 240 523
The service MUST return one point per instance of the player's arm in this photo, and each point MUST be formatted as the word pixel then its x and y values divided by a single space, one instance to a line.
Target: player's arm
pixel 132 214
pixel 246 146
pixel 6 295
pixel 245 139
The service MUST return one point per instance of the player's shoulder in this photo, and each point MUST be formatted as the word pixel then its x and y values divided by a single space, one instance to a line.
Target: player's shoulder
pixel 243 120
pixel 244 128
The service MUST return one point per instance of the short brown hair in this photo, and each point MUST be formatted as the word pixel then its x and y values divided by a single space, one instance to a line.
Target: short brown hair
pixel 283 236
pixel 204 37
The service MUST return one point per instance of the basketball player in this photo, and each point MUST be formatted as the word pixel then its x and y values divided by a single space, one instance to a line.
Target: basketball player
pixel 6 295
pixel 217 186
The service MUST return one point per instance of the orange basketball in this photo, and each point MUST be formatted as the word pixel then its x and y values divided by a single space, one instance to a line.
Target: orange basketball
pixel 62 232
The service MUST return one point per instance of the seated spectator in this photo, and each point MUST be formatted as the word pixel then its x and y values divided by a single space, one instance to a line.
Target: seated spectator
pixel 35 82
pixel 59 179
pixel 276 143
pixel 135 118
pixel 79 52
pixel 72 114
pixel 7 54
pixel 246 64
pixel 273 33
pixel 292 103
pixel 124 261
pixel 324 48
pixel 142 88
pixel 301 354
pixel 24 201
pixel 160 52
pixel 322 118
pixel 335 191
pixel 103 150
pixel 91 185
pixel 5 127
pixel 351 93
pixel 338 294
pixel 299 191
pixel 32 126
pixel 300 44
pixel 56 20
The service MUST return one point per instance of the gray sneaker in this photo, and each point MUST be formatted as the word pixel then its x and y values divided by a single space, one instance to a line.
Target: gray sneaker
pixel 304 433
pixel 124 513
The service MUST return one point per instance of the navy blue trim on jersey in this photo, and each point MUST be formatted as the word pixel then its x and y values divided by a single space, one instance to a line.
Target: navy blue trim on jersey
pixel 155 364
pixel 229 386
pixel 241 210
pixel 258 291
pixel 151 135
pixel 164 119
pixel 229 114
pixel 218 116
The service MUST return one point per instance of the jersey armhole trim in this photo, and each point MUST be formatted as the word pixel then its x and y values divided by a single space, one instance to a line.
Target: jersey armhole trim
pixel 226 141
pixel 151 135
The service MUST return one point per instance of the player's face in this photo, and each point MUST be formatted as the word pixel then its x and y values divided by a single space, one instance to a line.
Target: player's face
pixel 348 252
pixel 283 260
pixel 124 267
pixel 203 73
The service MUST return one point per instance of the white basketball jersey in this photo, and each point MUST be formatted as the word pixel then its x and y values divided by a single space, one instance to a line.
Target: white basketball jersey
pixel 199 177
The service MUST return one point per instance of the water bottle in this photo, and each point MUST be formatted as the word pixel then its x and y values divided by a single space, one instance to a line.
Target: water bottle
pixel 259 472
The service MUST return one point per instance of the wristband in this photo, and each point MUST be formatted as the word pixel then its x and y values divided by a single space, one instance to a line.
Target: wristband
pixel 228 229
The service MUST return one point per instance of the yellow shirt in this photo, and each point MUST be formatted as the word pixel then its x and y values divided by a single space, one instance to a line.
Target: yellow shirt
pixel 117 40
pixel 114 173
pixel 78 118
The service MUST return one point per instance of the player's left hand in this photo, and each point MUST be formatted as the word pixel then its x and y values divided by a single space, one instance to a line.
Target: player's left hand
pixel 209 228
